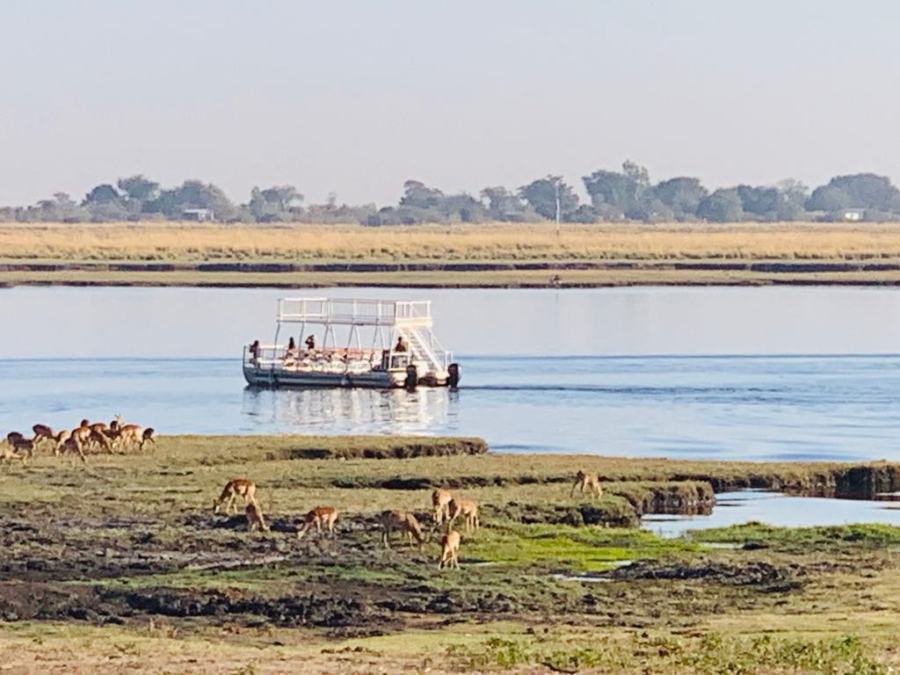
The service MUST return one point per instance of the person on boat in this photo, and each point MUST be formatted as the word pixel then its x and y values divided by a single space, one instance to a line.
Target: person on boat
pixel 311 343
pixel 254 352
pixel 401 345
pixel 292 347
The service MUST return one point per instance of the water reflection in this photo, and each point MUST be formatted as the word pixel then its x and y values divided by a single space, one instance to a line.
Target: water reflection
pixel 773 508
pixel 353 410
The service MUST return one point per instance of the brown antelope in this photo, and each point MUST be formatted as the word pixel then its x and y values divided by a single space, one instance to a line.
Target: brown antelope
pixel 10 453
pixel 82 434
pixel 42 433
pixel 239 487
pixel 467 509
pixel 99 439
pixel 585 480
pixel 131 435
pixel 61 439
pixel 100 427
pixel 321 516
pixel 255 519
pixel 440 501
pixel 70 445
pixel 149 436
pixel 450 550
pixel 402 521
pixel 23 446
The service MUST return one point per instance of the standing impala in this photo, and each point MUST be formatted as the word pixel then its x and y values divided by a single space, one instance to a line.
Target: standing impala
pixel 467 509
pixel 450 550
pixel 320 517
pixel 585 480
pixel 255 520
pixel 403 522
pixel 440 502
pixel 239 487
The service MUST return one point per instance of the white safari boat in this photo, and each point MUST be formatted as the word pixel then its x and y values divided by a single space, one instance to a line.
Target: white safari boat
pixel 383 344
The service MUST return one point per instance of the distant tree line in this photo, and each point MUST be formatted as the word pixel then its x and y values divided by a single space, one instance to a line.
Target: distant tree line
pixel 614 196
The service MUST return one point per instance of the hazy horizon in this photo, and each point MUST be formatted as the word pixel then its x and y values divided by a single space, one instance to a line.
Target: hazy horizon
pixel 355 98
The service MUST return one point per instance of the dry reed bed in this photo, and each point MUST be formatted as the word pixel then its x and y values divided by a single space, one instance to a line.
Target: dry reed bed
pixel 198 242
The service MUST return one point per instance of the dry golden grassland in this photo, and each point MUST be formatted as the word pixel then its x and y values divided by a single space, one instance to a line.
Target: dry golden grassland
pixel 496 242
pixel 491 255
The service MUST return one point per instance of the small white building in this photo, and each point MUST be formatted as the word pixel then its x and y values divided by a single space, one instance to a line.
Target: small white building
pixel 853 215
pixel 199 215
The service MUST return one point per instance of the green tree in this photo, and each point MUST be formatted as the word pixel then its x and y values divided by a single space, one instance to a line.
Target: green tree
pixel 504 205
pixel 762 202
pixel 193 194
pixel 627 194
pixel 861 190
pixel 541 195
pixel 682 195
pixel 102 194
pixel 417 195
pixel 138 188
pixel 277 203
pixel 722 206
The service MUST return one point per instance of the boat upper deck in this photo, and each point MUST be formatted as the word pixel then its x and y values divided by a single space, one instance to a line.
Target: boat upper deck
pixel 356 312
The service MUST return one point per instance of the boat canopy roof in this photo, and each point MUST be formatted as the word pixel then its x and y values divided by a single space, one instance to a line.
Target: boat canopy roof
pixel 356 312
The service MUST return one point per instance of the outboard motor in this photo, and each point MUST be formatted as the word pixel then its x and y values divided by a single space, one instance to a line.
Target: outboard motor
pixel 453 375
pixel 412 377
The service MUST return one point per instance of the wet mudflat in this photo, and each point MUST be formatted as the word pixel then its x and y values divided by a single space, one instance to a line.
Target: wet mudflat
pixel 123 558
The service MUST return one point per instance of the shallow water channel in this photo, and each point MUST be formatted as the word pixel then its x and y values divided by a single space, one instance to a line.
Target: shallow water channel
pixel 773 508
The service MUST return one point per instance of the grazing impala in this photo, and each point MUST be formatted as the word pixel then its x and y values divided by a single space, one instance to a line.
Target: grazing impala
pixel 70 445
pixel 149 436
pixel 8 454
pixel 440 501
pixel 403 522
pixel 60 439
pixel 467 509
pixel 42 433
pixel 255 519
pixel 82 434
pixel 320 517
pixel 239 487
pixel 450 550
pixel 585 480
pixel 131 435
pixel 23 446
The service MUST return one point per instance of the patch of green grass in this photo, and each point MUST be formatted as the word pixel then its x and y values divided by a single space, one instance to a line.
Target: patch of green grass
pixel 863 535
pixel 711 654
pixel 577 549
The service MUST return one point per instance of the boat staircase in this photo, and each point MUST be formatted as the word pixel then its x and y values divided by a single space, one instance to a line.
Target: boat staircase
pixel 424 347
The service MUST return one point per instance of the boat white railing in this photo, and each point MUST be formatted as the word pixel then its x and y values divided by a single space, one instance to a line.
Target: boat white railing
pixel 355 312
pixel 425 350
pixel 427 347
pixel 278 357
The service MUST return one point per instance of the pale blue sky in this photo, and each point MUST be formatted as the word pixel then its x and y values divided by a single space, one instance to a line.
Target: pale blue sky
pixel 356 97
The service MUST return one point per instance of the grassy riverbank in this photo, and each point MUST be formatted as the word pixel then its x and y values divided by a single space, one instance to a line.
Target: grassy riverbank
pixel 529 255
pixel 120 564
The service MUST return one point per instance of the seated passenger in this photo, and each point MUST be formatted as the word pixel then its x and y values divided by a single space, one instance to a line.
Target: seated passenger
pixel 311 343
pixel 291 348
pixel 401 345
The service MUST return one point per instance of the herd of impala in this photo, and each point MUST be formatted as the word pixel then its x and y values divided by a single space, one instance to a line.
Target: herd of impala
pixel 446 509
pixel 86 438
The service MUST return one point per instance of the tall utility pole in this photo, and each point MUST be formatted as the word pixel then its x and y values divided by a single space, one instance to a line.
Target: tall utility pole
pixel 556 185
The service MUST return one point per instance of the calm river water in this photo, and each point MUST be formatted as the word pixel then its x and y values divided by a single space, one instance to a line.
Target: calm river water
pixel 730 373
